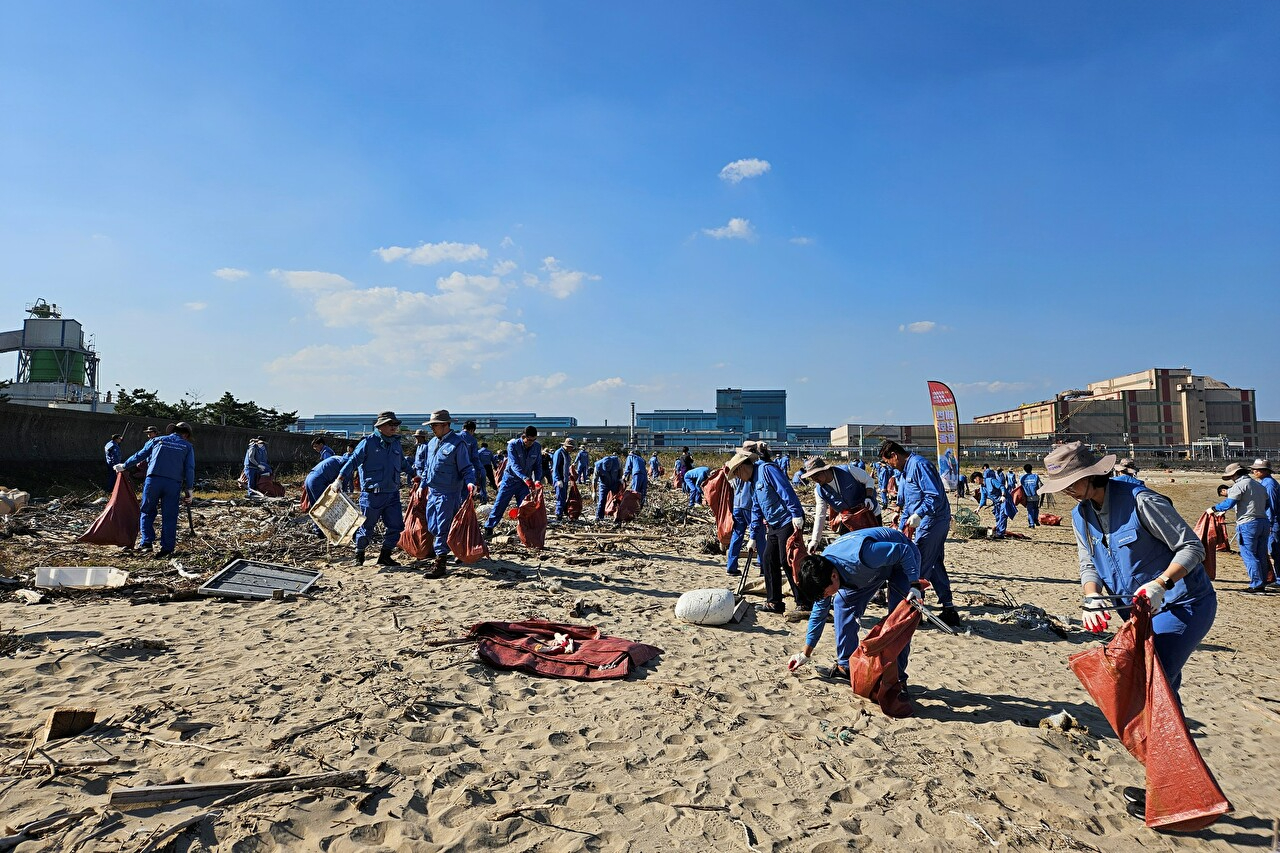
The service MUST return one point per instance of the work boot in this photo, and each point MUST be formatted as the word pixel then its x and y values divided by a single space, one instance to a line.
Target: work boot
pixel 144 549
pixel 385 558
pixel 359 556
pixel 437 570
pixel 950 617
pixel 487 534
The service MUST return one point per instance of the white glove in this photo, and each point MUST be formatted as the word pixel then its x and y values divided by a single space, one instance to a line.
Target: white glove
pixel 1095 621
pixel 118 467
pixel 1154 592
pixel 871 506
pixel 914 520
pixel 798 660
pixel 1211 511
pixel 914 594
pixel 798 524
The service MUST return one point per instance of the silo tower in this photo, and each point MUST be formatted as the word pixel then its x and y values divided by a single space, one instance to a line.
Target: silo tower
pixel 56 365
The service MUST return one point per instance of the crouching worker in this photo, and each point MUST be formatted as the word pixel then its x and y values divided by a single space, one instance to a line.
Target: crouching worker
pixel 846 576
pixel 608 473
pixel 380 458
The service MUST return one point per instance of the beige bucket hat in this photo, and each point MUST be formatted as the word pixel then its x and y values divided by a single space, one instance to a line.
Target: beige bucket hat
pixel 569 443
pixel 1233 470
pixel 439 416
pixel 1068 463
pixel 1126 466
pixel 815 465
pixel 1260 465
pixel 386 418
pixel 740 456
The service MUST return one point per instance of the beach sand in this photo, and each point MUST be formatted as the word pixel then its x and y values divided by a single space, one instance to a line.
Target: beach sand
pixel 713 746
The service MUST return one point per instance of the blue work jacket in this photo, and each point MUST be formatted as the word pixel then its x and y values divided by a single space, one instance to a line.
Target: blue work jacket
pixel 609 473
pixel 448 467
pixel 112 451
pixel 523 463
pixel 326 452
pixel 169 456
pixel 776 502
pixel 560 465
pixel 380 460
pixel 325 472
pixel 844 493
pixel 866 558
pixel 635 472
pixel 1030 486
pixel 920 490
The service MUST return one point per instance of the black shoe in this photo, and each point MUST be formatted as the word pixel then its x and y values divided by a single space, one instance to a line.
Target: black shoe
pixel 772 608
pixel 950 617
pixel 733 571
pixel 385 558
pixel 359 557
pixel 144 549
pixel 486 534
pixel 438 569
pixel 1138 810
pixel 1134 795
pixel 835 672
pixel 164 555
pixel 1255 590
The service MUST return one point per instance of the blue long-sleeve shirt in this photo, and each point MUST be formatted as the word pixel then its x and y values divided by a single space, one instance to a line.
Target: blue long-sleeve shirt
pixel 609 473
pixel 864 558
pixel 112 451
pixel 696 478
pixel 653 466
pixel 473 445
pixel 169 456
pixel 448 467
pixel 484 456
pixel 380 460
pixel 325 472
pixel 326 452
pixel 776 502
pixel 1273 499
pixel 560 465
pixel 256 457
pixel 523 463
pixel 1030 486
pixel 921 492
pixel 635 471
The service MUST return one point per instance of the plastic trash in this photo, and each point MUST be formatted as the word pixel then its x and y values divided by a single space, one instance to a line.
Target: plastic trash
pixel 706 607
pixel 80 577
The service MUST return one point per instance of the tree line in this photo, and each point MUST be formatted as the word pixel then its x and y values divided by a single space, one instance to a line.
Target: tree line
pixel 225 411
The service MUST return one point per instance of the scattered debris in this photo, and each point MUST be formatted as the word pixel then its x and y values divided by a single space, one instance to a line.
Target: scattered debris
pixel 30 596
pixel 125 798
pixel 68 722
pixel 1034 618
pixel 251 579
pixel 1061 721
pixel 80 577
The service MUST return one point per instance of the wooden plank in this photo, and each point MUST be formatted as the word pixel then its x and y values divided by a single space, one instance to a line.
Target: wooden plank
pixel 68 722
pixel 133 797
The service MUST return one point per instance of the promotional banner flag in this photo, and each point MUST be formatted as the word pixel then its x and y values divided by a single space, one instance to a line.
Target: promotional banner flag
pixel 946 425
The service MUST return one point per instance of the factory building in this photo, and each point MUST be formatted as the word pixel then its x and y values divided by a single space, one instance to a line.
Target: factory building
pixel 57 365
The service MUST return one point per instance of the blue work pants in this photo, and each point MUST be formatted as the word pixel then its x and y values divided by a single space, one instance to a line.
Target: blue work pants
pixel 562 497
pixel 742 518
pixel 1002 518
pixel 640 485
pixel 848 606
pixel 165 495
pixel 931 539
pixel 1033 512
pixel 510 488
pixel 384 507
pixel 251 475
pixel 1178 630
pixel 1253 550
pixel 695 493
pixel 441 508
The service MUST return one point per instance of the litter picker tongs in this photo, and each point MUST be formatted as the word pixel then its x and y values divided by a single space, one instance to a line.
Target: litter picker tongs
pixel 1099 603
pixel 924 613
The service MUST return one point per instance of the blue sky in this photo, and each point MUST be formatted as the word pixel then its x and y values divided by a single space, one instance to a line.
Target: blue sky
pixel 502 206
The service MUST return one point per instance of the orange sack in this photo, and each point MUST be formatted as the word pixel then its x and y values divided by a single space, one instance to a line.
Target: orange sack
pixel 873 667
pixel 573 505
pixel 1212 531
pixel 846 521
pixel 121 519
pixel 1125 679
pixel 623 506
pixel 718 492
pixel 465 539
pixel 416 540
pixel 531 519
pixel 796 552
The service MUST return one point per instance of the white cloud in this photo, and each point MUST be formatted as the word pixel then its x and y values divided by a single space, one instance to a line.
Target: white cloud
pixel 738 170
pixel 507 243
pixel 503 267
pixel 803 380
pixel 719 365
pixel 613 383
pixel 802 241
pixel 997 386
pixel 231 273
pixel 560 282
pixel 195 306
pixel 427 254
pixel 737 229
pixel 463 323
pixel 920 327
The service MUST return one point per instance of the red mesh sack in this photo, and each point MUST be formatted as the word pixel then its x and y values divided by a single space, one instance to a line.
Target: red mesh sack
pixel 796 552
pixel 1125 679
pixel 718 492
pixel 845 521
pixel 120 520
pixel 498 469
pixel 531 520
pixel 269 487
pixel 416 540
pixel 306 501
pixel 465 538
pixel 622 506
pixel 573 505
pixel 1019 496
pixel 1212 531
pixel 873 667
pixel 1048 519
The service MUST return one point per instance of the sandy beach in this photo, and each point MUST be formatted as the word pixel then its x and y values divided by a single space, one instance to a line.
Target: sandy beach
pixel 712 746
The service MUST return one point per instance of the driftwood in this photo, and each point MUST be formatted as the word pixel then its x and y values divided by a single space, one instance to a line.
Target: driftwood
pixel 235 788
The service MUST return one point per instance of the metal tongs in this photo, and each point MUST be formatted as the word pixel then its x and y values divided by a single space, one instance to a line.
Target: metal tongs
pixel 1101 603
pixel 925 614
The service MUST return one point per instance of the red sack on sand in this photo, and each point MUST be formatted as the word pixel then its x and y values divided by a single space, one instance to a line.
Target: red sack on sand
pixel 498 469
pixel 573 505
pixel 1019 496
pixel 120 520
pixel 873 668
pixel 531 647
pixel 718 492
pixel 531 523
pixel 844 521
pixel 796 552
pixel 269 487
pixel 1125 679
pixel 306 501
pixel 1048 519
pixel 1212 531
pixel 465 539
pixel 623 506
pixel 416 540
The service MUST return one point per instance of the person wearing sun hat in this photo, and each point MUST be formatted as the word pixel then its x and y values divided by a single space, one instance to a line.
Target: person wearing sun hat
pixel 775 504
pixel 1260 470
pixel 561 463
pixel 1127 471
pixel 448 473
pixel 743 516
pixel 381 460
pixel 838 487
pixel 1249 499
pixel 1131 539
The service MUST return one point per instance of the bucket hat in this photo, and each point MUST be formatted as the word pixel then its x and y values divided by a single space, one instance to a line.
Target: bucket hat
pixel 1233 470
pixel 569 443
pixel 439 416
pixel 815 465
pixel 740 456
pixel 421 433
pixel 386 418
pixel 1260 465
pixel 1068 463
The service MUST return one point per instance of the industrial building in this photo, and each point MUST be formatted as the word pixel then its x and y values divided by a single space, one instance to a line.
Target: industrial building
pixel 1168 409
pixel 486 422
pixel 57 365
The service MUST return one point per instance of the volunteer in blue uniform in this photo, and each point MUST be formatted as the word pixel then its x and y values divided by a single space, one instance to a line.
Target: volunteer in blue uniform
pixel 778 507
pixel 523 469
pixel 840 488
pixel 1260 470
pixel 1127 472
pixel 1249 499
pixel 1030 483
pixel 655 468
pixel 322 476
pixel 171 475
pixel 255 465
pixel 844 577
pixel 447 474
pixel 485 458
pixel 380 458
pixel 746 521
pixel 694 480
pixel 112 453
pixel 1131 539
pixel 319 445
pixel 561 462
pixel 635 475
pixel 468 436
pixel 419 463
pixel 583 463
pixel 608 473
pixel 928 512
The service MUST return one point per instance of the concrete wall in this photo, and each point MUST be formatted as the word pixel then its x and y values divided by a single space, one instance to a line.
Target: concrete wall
pixel 31 436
